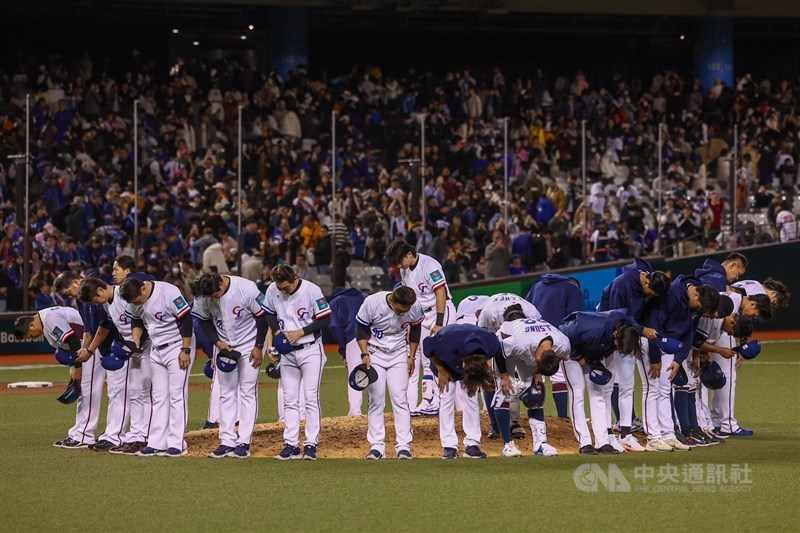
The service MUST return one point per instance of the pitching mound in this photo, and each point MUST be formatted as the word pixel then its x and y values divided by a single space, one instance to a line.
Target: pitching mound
pixel 346 437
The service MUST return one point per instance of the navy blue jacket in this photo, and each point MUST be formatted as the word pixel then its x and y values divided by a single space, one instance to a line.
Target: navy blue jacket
pixel 143 276
pixel 345 304
pixel 625 292
pixel 591 334
pixel 713 274
pixel 93 317
pixel 455 342
pixel 203 342
pixel 555 297
pixel 672 317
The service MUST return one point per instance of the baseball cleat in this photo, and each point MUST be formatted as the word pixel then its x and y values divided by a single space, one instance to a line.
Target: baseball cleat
pixel 222 451
pixel 429 411
pixel 310 452
pixel 242 451
pixel 720 435
pixel 288 453
pixel 517 431
pixel 404 455
pixel 607 449
pixel 637 426
pixel 588 450
pixel 493 434
pixel 71 444
pixel 210 425
pixel 546 449
pixel 60 443
pixel 613 440
pixel 680 437
pixel 473 452
pixel 741 432
pixel 511 450
pixel 694 439
pixel 711 437
pixel 147 451
pixel 615 427
pixel 450 453
pixel 120 450
pixel 631 444
pixel 415 414
pixel 657 445
pixel 101 446
pixel 677 445
pixel 175 452
pixel 374 455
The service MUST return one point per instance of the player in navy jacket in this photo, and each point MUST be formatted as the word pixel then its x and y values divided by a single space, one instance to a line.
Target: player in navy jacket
pixel 594 336
pixel 721 275
pixel 345 304
pixel 555 297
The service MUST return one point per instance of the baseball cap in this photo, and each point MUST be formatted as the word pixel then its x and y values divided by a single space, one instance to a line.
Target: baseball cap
pixel 749 350
pixel 725 306
pixel 668 345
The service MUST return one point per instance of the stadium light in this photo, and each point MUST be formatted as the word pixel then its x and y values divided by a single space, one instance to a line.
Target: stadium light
pixel 683 37
pixel 175 30
pixel 196 43
pixel 251 27
pixel 243 37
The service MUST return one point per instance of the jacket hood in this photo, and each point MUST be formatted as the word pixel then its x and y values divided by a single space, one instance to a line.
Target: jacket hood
pixel 637 265
pixel 346 291
pixel 472 343
pixel 552 279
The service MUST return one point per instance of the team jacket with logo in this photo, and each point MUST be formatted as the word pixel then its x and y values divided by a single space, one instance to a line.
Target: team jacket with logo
pixel 388 330
pixel 299 309
pixel 234 314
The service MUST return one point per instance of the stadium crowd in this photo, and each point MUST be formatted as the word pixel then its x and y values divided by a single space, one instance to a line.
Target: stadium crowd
pixel 83 203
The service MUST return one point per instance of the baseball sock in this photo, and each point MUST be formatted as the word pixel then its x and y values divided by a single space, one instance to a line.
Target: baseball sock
pixel 503 417
pixel 624 431
pixel 561 397
pixel 693 410
pixel 681 400
pixel 488 396
pixel 536 414
pixel 615 401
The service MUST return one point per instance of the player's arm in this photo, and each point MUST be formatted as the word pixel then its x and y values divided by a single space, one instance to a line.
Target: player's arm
pixel 137 331
pixel 103 330
pixel 414 334
pixel 84 353
pixel 441 306
pixel 362 336
pixel 444 375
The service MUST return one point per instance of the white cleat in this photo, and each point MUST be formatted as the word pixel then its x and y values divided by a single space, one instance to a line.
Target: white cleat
pixel 546 449
pixel 631 444
pixel 613 440
pixel 511 450
pixel 677 445
pixel 657 445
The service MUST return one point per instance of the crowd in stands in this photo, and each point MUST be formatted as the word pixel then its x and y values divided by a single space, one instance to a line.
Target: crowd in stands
pixel 84 207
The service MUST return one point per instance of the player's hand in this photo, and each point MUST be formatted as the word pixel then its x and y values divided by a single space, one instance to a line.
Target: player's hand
pixel 411 364
pixel 256 357
pixel 727 353
pixel 344 362
pixel 294 335
pixel 435 329
pixel 83 355
pixel 222 345
pixel 272 353
pixel 184 360
pixel 650 333
pixel 366 360
pixel 673 369
pixel 655 370
pixel 694 363
pixel 444 378
pixel 740 362
pixel 506 386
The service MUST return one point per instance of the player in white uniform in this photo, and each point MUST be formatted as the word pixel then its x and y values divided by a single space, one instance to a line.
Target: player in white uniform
pixel 96 343
pixel 297 308
pixel 425 275
pixel 776 290
pixel 62 327
pixel 96 291
pixel 388 327
pixel 229 308
pixel 533 348
pixel 491 318
pixel 161 308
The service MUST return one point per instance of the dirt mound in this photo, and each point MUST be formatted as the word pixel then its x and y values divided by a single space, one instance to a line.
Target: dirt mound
pixel 346 437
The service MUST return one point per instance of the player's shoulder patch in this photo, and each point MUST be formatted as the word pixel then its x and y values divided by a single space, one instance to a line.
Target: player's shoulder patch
pixel 322 304
pixel 436 276
pixel 179 303
pixel 57 333
pixel 260 298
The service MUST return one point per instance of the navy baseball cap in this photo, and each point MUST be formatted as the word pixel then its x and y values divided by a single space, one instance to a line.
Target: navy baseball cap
pixel 282 344
pixel 749 350
pixel 208 370
pixel 361 377
pixel 599 374
pixel 669 345
pixel 111 362
pixel 680 379
pixel 64 357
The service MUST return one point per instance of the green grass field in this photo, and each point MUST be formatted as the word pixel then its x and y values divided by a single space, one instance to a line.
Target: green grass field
pixel 43 488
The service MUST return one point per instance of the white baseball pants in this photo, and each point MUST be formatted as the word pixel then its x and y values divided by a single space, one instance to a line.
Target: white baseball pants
pixel 88 405
pixel 724 399
pixel 395 376
pixel 471 417
pixel 578 383
pixel 118 413
pixel 141 403
pixel 238 400
pixel 354 398
pixel 656 399
pixel 170 389
pixel 430 386
pixel 301 373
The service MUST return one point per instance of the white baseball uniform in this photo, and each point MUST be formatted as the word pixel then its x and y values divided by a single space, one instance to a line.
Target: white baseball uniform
pixel 467 313
pixel 520 340
pixel 234 316
pixel 170 384
pixel 723 400
pixel 712 327
pixel 140 405
pixel 425 277
pixel 388 348
pixel 750 287
pixel 303 366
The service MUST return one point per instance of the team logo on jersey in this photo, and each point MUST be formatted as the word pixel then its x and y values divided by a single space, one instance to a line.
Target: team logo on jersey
pixel 436 276
pixel 303 313
pixel 161 317
pixel 123 318
pixel 57 333
pixel 237 311
pixel 322 304
pixel 422 288
pixel 260 298
pixel 179 302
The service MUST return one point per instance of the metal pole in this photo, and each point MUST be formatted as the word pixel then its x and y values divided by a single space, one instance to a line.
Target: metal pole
pixel 239 195
pixel 136 180
pixel 333 197
pixel 734 179
pixel 26 269
pixel 422 169
pixel 505 176
pixel 583 179
pixel 660 170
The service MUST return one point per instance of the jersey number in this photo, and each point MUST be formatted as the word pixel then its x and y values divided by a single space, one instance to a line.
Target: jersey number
pixel 378 334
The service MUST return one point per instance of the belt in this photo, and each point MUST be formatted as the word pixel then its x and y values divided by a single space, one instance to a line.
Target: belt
pixel 427 309
pixel 165 345
pixel 303 346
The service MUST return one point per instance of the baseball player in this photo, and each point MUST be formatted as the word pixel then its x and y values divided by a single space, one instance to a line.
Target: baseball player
pixel 99 332
pixel 297 308
pixel 462 353
pixel 673 316
pixel 556 296
pixel 631 290
pixel 774 289
pixel 139 381
pixel 722 275
pixel 230 313
pixel 532 348
pixel 345 304
pixel 388 329
pixel 491 318
pixel 63 328
pixel 161 308
pixel 593 338
pixel 425 275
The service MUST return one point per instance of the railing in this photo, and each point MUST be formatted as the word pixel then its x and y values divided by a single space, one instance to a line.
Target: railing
pixel 695 244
